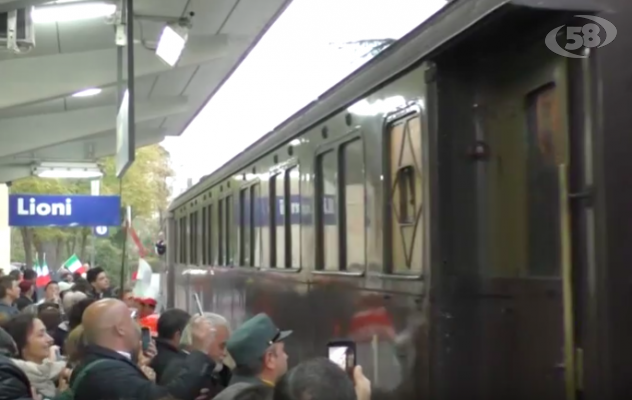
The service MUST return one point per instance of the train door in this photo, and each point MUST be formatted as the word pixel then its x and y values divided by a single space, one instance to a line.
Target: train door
pixel 524 226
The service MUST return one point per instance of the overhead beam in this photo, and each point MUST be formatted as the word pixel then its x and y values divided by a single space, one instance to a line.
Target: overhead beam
pixel 83 150
pixel 10 173
pixel 70 73
pixel 25 134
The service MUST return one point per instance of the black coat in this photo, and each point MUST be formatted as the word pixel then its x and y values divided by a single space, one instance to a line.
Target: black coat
pixel 14 385
pixel 215 382
pixel 166 354
pixel 119 378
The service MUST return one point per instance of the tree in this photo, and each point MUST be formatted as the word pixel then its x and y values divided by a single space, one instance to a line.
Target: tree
pixel 144 188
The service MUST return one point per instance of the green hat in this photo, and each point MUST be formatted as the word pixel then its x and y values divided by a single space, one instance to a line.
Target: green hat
pixel 251 340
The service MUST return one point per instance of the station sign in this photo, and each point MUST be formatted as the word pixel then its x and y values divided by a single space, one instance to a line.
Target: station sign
pixel 60 210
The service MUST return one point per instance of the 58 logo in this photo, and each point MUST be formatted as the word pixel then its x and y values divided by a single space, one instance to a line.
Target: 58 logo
pixel 598 33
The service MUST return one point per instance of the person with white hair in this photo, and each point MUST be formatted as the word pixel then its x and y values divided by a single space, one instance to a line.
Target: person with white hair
pixel 69 300
pixel 220 375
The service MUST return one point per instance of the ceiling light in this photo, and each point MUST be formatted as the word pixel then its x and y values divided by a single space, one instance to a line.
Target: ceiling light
pixel 88 92
pixel 72 12
pixel 67 170
pixel 171 44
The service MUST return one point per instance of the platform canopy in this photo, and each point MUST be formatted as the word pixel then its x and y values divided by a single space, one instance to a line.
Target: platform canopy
pixel 41 120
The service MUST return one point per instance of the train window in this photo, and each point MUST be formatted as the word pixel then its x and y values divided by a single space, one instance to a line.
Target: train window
pixel 193 226
pixel 351 195
pixel 328 240
pixel 278 230
pixel 404 237
pixel 220 232
pixel 292 208
pixel 204 237
pixel 529 137
pixel 210 244
pixel 244 227
pixel 255 226
pixel 405 179
pixel 228 234
pixel 178 235
pixel 185 239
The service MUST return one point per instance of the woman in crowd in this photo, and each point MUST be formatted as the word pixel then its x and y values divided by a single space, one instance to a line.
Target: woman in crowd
pixel 37 358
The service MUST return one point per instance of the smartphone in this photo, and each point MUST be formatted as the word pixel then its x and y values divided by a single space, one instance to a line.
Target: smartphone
pixel 134 313
pixel 145 338
pixel 343 353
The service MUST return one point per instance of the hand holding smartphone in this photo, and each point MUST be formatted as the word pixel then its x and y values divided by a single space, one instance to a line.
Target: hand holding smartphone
pixel 343 353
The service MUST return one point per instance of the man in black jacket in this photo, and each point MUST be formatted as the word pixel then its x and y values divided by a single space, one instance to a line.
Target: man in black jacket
pixel 170 326
pixel 14 385
pixel 113 336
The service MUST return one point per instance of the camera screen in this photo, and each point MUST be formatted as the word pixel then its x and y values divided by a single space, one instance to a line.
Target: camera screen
pixel 342 356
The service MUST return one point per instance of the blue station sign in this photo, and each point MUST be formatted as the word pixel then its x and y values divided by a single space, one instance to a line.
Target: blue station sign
pixel 59 210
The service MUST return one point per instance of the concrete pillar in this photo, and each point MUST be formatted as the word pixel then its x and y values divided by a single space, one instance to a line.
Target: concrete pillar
pixel 5 230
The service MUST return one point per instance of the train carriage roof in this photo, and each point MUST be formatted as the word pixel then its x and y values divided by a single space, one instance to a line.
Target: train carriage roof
pixel 434 35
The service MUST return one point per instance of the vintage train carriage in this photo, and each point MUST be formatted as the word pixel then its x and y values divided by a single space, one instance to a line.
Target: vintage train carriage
pixel 459 206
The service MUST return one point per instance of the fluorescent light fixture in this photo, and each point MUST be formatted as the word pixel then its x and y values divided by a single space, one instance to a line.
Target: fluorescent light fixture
pixel 67 170
pixel 171 44
pixel 88 92
pixel 72 12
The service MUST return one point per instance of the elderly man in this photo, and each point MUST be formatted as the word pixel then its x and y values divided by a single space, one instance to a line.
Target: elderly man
pixel 258 351
pixel 69 300
pixel 218 378
pixel 107 370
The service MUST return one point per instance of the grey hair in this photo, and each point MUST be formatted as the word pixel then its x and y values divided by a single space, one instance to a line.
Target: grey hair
pixel 72 298
pixel 215 320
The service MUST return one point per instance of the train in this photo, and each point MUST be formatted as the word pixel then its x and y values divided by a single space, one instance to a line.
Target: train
pixel 459 206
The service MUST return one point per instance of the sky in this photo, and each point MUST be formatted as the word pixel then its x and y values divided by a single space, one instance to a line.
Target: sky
pixel 298 59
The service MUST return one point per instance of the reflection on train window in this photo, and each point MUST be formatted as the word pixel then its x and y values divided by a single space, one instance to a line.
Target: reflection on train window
pixel 404 236
pixel 256 222
pixel 292 205
pixel 193 226
pixel 210 239
pixel 244 227
pixel 220 233
pixel 204 237
pixel 352 177
pixel 328 230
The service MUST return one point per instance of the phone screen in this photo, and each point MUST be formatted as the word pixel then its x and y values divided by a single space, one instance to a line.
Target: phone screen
pixel 343 355
pixel 146 338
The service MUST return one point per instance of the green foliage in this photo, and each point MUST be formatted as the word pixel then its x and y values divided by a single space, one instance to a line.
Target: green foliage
pixel 144 188
pixel 108 256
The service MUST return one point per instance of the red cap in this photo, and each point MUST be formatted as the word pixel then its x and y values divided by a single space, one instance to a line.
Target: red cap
pixel 150 322
pixel 149 302
pixel 25 286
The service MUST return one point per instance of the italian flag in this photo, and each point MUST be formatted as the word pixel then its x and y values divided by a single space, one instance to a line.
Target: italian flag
pixel 43 274
pixel 74 265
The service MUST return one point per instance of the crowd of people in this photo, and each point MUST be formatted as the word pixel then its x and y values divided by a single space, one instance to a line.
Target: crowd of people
pixel 81 341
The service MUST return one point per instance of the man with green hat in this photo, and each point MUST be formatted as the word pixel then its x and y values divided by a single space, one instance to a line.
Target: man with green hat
pixel 258 351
